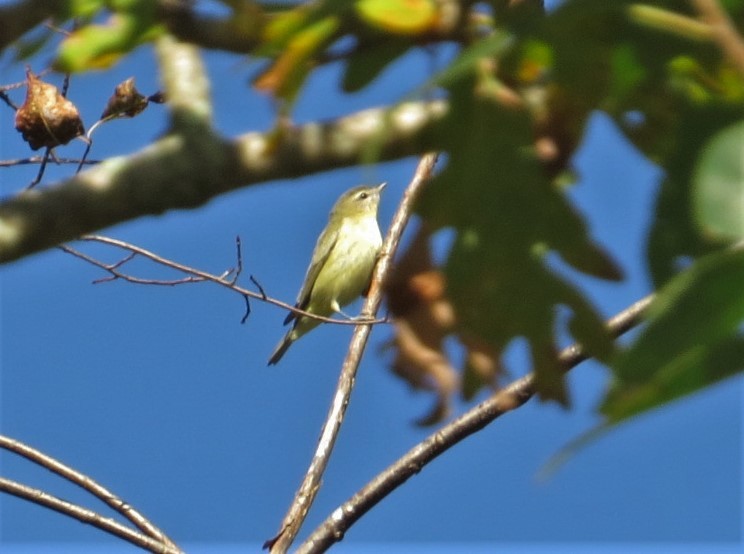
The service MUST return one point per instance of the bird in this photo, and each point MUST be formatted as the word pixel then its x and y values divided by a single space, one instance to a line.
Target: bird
pixel 342 262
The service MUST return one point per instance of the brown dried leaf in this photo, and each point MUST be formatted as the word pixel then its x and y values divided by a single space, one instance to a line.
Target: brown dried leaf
pixel 423 318
pixel 482 366
pixel 46 118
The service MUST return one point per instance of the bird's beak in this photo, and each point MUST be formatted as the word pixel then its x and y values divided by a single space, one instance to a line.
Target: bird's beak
pixel 380 187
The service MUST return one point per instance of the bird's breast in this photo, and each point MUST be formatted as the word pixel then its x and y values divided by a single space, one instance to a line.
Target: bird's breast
pixel 346 273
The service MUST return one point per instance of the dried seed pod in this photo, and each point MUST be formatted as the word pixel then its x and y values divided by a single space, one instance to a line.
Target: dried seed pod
pixel 46 118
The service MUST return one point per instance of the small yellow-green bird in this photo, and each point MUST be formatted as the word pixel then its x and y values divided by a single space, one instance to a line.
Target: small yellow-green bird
pixel 342 262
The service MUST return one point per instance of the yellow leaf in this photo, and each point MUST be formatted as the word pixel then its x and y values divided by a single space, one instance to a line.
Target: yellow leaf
pixel 405 17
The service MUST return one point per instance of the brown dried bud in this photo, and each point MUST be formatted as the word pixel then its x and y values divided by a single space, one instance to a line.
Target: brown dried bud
pixel 125 102
pixel 46 119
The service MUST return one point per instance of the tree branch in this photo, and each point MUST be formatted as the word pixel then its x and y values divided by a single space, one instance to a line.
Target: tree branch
pixel 724 32
pixel 311 484
pixel 153 538
pixel 227 279
pixel 240 34
pixel 85 482
pixel 176 172
pixel 19 18
pixel 85 515
pixel 505 400
pixel 186 84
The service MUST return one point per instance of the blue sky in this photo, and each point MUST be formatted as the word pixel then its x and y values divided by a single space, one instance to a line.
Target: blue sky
pixel 164 397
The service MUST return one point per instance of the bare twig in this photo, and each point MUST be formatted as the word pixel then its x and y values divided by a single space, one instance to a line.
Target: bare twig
pixel 84 157
pixel 193 276
pixel 505 400
pixel 311 483
pixel 5 98
pixel 42 169
pixel 85 482
pixel 85 515
pixel 239 266
pixel 40 159
pixel 724 31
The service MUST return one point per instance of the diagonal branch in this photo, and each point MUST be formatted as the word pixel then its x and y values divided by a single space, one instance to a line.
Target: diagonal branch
pixel 18 18
pixel 85 482
pixel 152 538
pixel 311 484
pixel 85 515
pixel 724 32
pixel 183 171
pixel 505 400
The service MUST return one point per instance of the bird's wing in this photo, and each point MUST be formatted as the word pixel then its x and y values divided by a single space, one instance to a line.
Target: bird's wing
pixel 323 249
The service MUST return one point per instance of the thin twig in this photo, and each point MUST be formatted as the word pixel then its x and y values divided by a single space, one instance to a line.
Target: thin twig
pixel 239 264
pixel 88 484
pixel 42 169
pixel 38 496
pixel 724 31
pixel 40 159
pixel 194 276
pixel 505 400
pixel 5 98
pixel 311 483
pixel 84 158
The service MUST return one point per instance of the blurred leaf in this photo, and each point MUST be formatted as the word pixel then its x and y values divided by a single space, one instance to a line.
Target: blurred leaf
pixel 32 43
pixel 280 29
pixel 369 61
pixel 627 72
pixel 718 193
pixel 285 75
pixel 95 46
pixel 507 217
pixel 82 8
pixel 674 232
pixel 405 17
pixel 691 341
pixel 422 319
pixel 465 64
pixel 651 68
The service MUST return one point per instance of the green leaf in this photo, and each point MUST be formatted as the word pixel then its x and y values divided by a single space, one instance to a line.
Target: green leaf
pixel 80 8
pixel 718 182
pixel 507 216
pixel 287 73
pixel 675 232
pixel 369 61
pixel 404 17
pixel 692 338
pixel 32 43
pixel 97 46
pixel 466 62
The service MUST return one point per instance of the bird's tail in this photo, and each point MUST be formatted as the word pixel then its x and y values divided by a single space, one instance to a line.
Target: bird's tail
pixel 281 348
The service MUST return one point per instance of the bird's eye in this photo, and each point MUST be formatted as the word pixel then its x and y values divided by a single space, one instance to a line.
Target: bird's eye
pixel 363 195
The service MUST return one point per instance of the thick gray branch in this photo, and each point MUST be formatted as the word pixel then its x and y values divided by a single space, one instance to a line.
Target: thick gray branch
pixel 20 17
pixel 176 172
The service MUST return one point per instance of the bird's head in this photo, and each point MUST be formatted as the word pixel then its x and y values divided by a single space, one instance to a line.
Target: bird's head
pixel 359 202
